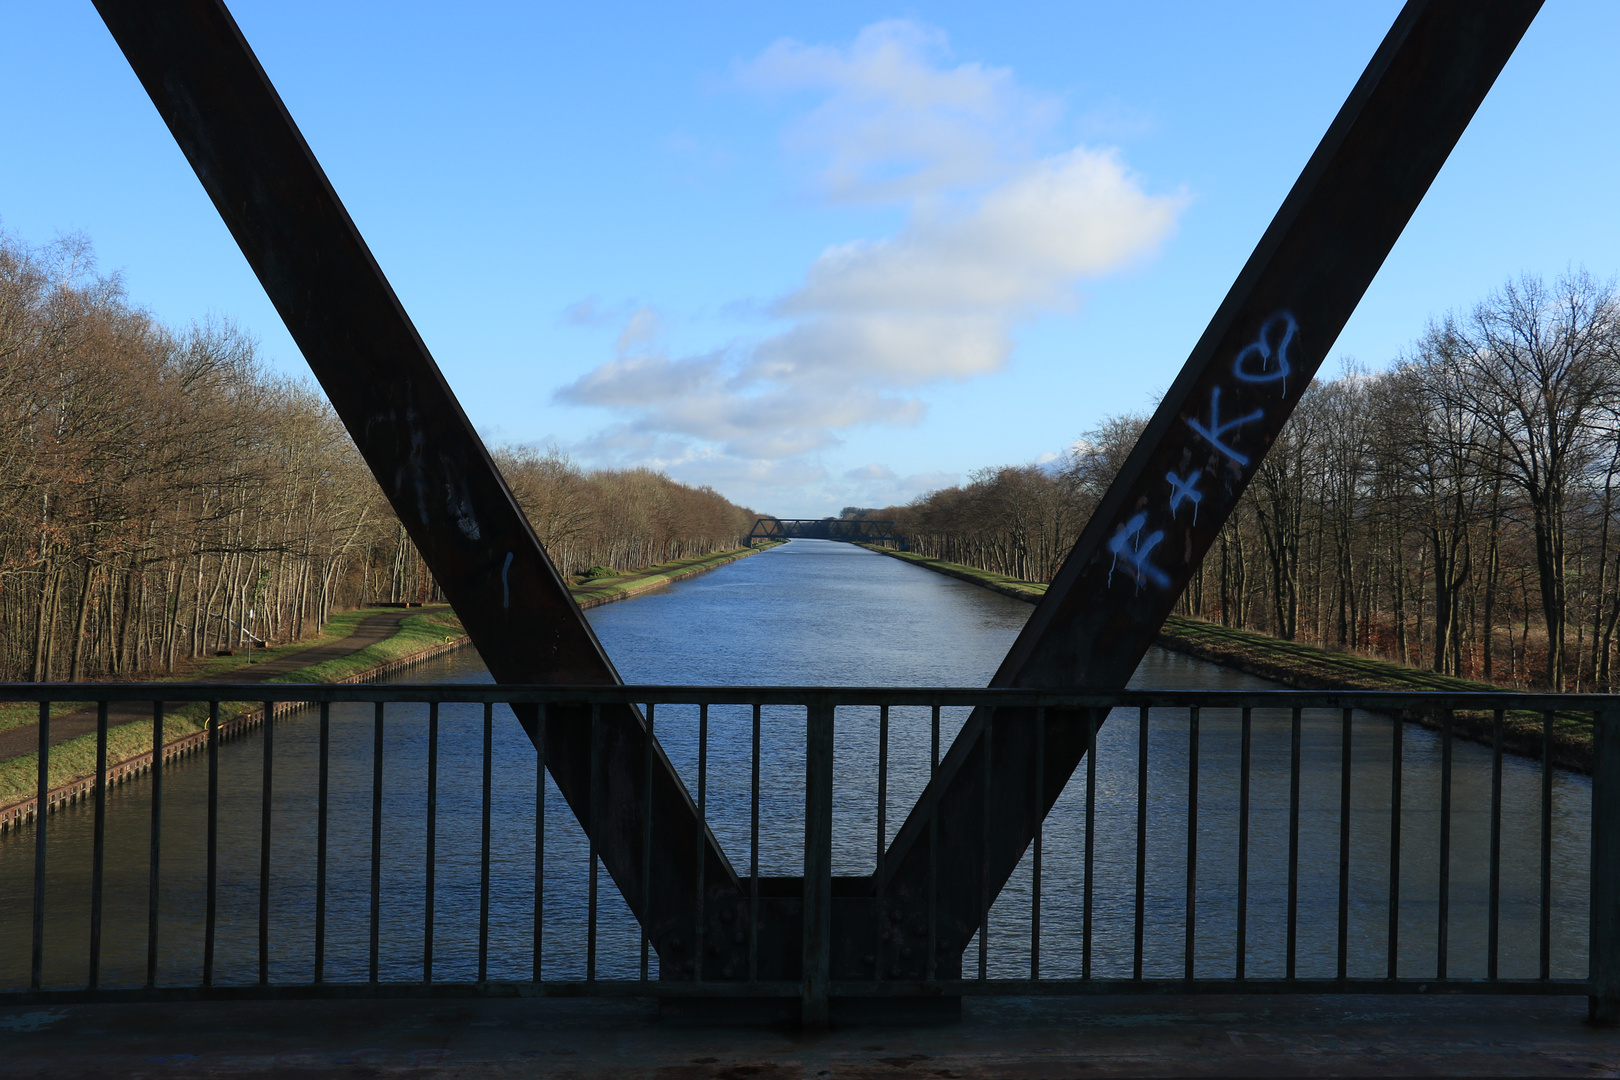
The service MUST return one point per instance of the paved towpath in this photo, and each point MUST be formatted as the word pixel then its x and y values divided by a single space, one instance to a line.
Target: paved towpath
pixel 24 739
pixel 1018 1037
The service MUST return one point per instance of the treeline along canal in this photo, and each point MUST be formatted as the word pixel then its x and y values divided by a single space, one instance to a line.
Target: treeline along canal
pixel 807 613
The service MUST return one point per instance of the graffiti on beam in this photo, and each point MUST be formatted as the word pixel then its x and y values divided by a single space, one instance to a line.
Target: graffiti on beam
pixel 1285 327
pixel 1129 544
pixel 1185 491
pixel 1263 360
pixel 1216 432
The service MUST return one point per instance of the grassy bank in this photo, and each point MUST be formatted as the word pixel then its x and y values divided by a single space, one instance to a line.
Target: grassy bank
pixel 76 757
pixel 415 634
pixel 338 627
pixel 606 588
pixel 1307 667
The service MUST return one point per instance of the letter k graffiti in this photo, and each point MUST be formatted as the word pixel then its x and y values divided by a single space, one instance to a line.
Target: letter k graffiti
pixel 1216 431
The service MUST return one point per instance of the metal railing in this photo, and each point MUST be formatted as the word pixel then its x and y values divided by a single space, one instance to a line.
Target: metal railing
pixel 1212 842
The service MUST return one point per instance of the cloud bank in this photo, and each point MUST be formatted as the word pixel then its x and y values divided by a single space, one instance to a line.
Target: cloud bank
pixel 995 235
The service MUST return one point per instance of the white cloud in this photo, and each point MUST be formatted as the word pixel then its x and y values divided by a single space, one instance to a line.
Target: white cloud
pixel 877 485
pixel 995 235
pixel 894 122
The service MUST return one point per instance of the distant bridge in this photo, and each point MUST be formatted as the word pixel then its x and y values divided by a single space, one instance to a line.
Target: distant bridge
pixel 850 529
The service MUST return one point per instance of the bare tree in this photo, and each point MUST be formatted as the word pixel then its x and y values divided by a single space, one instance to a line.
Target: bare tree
pixel 1539 370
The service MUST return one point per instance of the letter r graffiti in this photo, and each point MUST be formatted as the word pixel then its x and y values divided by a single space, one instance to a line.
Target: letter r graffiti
pixel 1129 544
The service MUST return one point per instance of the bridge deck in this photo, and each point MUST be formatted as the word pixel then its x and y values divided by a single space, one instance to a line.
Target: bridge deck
pixel 1170 1036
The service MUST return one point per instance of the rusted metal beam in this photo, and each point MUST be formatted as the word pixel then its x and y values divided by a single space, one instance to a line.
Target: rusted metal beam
pixel 1201 448
pixel 290 224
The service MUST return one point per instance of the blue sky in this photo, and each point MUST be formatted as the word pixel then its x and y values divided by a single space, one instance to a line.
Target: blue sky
pixel 814 255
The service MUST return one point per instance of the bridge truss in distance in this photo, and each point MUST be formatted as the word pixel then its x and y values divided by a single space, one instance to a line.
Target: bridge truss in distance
pixel 848 529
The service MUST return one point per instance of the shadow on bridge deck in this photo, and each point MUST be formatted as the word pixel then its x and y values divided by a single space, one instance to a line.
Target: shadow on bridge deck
pixel 1168 1036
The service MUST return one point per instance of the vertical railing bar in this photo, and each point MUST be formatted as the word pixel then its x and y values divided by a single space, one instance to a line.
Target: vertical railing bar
pixel 647 841
pixel 1244 758
pixel 702 840
pixel 1396 768
pixel 882 839
pixel 212 857
pixel 375 943
pixel 593 796
pixel 1603 889
pixel 1545 971
pixel 1141 840
pixel 429 868
pixel 322 805
pixel 1494 927
pixel 1344 845
pixel 267 747
pixel 42 805
pixel 984 853
pixel 753 858
pixel 816 954
pixel 483 869
pixel 933 845
pixel 1088 869
pixel 1443 942
pixel 539 842
pixel 1192 840
pixel 153 877
pixel 1035 855
pixel 1293 848
pixel 98 856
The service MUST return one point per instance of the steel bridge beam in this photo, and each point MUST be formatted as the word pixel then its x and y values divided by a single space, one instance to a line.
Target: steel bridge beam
pixel 277 202
pixel 1200 450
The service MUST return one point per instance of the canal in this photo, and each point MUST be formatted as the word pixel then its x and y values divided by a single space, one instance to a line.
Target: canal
pixel 809 612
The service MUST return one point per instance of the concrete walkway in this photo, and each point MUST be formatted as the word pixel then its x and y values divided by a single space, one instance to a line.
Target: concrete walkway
pixel 24 739
pixel 1098 1037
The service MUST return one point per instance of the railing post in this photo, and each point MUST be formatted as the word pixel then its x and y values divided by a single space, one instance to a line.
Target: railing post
pixel 1603 1007
pixel 818 789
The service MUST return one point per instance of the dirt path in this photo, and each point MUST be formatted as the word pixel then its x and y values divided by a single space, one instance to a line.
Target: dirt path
pixel 24 739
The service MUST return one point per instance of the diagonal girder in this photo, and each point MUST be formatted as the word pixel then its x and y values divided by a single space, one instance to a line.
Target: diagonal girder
pixel 284 214
pixel 1196 456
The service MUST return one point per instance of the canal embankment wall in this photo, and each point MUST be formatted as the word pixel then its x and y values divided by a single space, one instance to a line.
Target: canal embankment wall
pixel 1309 667
pixel 607 590
pixel 367 664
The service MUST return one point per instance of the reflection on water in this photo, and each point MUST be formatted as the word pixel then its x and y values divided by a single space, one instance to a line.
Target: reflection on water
pixel 807 613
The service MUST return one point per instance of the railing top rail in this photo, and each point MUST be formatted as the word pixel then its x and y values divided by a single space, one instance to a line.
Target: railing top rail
pixel 1380 700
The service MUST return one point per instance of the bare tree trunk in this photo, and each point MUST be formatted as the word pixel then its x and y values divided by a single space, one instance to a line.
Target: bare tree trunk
pixel 76 655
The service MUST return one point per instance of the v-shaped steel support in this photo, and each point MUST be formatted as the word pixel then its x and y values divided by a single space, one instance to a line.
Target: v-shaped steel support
pixel 1099 617
pixel 1200 450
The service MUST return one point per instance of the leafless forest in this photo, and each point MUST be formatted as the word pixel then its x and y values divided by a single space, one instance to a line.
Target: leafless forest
pixel 1455 512
pixel 157 486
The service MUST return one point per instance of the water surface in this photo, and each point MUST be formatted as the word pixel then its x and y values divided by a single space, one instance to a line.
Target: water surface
pixel 807 613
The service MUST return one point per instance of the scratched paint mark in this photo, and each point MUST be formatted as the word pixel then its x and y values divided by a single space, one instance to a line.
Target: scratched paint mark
pixel 1185 490
pixel 506 592
pixel 419 474
pixel 1261 349
pixel 465 520
pixel 1216 431
pixel 1129 544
